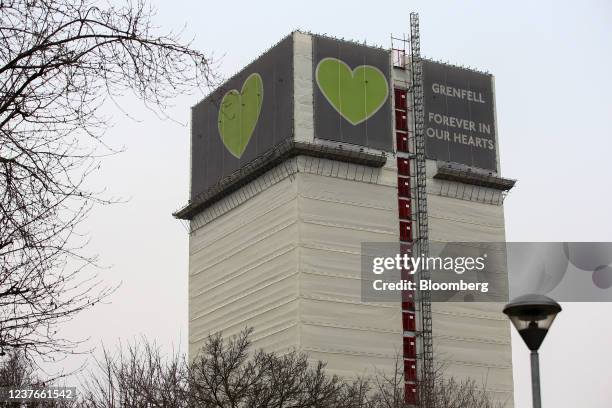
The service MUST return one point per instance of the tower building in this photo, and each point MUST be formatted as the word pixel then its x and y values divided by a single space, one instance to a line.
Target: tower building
pixel 316 147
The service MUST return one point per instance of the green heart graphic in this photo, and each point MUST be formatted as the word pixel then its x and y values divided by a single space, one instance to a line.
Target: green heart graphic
pixel 238 114
pixel 356 95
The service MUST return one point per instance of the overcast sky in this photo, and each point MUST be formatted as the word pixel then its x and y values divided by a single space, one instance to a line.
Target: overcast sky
pixel 552 63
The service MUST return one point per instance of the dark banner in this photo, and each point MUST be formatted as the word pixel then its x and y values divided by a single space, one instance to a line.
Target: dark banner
pixel 459 115
pixel 248 115
pixel 352 102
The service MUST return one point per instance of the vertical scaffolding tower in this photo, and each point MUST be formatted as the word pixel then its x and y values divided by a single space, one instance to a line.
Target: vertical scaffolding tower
pixel 424 297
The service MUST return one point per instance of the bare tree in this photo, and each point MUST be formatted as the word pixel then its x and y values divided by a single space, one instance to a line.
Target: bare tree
pixel 442 391
pixel 452 393
pixel 19 372
pixel 138 375
pixel 16 370
pixel 228 374
pixel 60 60
pixel 223 375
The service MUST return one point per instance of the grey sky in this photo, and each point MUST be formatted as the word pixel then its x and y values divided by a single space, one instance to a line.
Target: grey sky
pixel 552 62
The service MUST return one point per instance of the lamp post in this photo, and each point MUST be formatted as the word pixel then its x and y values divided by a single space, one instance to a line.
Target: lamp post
pixel 532 315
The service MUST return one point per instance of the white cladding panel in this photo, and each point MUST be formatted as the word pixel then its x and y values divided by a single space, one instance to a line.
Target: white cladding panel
pixel 336 216
pixel 472 339
pixel 243 271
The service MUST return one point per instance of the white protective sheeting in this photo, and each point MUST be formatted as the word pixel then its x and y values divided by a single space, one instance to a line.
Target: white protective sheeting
pixel 454 220
pixel 336 217
pixel 471 339
pixel 243 271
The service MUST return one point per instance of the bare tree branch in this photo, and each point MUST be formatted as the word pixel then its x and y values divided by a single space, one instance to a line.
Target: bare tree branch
pixel 60 60
pixel 228 374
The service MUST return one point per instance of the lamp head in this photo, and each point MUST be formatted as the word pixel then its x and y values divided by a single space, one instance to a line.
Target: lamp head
pixel 532 315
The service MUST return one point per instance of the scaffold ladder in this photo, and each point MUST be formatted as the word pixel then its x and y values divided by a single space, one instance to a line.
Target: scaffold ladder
pixel 424 298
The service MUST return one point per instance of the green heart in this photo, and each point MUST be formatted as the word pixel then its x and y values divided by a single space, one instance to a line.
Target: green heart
pixel 355 94
pixel 238 114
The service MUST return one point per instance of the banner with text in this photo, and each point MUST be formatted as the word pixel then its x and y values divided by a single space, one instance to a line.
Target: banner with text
pixel 459 115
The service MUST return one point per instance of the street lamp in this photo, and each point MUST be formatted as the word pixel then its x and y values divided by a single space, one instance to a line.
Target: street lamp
pixel 532 315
